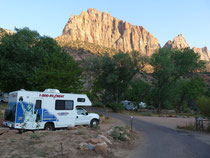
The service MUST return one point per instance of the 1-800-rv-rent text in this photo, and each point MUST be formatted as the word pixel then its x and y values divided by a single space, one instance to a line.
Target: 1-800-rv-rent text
pixel 47 110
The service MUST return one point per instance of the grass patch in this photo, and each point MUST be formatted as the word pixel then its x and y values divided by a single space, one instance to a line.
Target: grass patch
pixel 190 127
pixel 35 136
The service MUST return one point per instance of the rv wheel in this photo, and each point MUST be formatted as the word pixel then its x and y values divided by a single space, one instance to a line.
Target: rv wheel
pixel 49 127
pixel 94 123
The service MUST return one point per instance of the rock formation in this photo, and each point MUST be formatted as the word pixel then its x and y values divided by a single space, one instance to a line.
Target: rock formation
pixel 177 43
pixel 3 31
pixel 203 52
pixel 103 29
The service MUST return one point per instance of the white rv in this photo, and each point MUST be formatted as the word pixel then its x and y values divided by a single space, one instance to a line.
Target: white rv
pixel 47 110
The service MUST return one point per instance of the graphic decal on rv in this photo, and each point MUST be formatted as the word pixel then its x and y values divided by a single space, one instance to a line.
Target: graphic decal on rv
pixel 63 113
pixel 48 116
pixel 27 113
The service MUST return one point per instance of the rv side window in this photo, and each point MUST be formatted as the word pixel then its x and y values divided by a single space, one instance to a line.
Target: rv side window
pixel 38 104
pixel 64 105
pixel 81 99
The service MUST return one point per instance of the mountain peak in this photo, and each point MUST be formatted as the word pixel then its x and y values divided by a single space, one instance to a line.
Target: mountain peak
pixel 178 43
pixel 102 29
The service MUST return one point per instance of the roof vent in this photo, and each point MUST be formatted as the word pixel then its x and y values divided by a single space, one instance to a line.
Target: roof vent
pixel 51 91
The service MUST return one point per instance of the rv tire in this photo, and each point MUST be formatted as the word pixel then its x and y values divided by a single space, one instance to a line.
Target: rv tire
pixel 94 123
pixel 49 126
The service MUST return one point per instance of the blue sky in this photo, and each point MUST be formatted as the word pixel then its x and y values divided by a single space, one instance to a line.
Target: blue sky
pixel 165 19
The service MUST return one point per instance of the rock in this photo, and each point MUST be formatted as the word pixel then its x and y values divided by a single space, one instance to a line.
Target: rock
pixel 203 52
pixel 177 43
pixel 109 131
pixel 127 138
pixel 180 43
pixel 101 148
pixel 104 30
pixel 91 146
pixel 102 138
pixel 83 146
pixel 93 141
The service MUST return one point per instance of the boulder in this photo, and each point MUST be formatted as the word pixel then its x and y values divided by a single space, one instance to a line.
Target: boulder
pixel 102 138
pixel 91 146
pixel 94 141
pixel 83 146
pixel 101 148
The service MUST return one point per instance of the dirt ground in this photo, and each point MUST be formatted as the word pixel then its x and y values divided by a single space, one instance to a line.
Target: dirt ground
pixel 63 143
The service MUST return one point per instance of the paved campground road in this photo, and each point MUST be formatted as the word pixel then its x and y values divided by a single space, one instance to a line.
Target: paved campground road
pixel 162 142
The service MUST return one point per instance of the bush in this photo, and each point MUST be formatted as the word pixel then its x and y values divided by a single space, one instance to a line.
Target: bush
pixel 204 105
pixel 120 133
pixel 116 107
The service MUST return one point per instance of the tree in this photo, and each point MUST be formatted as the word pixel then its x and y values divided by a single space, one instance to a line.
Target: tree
pixel 204 105
pixel 113 74
pixel 169 66
pixel 33 62
pixel 163 69
pixel 138 91
pixel 188 90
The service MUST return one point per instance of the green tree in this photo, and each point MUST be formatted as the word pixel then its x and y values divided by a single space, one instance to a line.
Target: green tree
pixel 113 74
pixel 204 105
pixel 138 91
pixel 34 62
pixel 168 67
pixel 188 90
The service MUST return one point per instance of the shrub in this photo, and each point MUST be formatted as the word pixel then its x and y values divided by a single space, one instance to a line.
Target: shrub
pixel 116 107
pixel 204 105
pixel 35 136
pixel 120 133
pixel 189 126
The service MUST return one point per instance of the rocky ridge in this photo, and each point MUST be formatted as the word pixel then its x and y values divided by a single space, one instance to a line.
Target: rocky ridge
pixel 180 43
pixel 104 30
pixel 3 31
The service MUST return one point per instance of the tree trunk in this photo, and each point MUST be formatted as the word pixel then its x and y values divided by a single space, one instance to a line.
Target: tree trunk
pixel 159 104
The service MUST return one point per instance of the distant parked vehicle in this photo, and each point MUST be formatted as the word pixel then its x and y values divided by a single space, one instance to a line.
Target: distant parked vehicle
pixel 4 97
pixel 142 105
pixel 128 105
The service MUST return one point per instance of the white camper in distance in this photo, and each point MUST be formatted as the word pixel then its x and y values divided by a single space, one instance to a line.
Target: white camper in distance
pixel 47 110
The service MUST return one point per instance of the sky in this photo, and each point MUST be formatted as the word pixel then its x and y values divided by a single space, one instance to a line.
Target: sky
pixel 164 19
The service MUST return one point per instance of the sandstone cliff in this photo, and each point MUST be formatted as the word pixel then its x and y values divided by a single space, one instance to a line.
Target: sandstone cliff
pixel 179 43
pixel 103 29
pixel 3 31
pixel 203 52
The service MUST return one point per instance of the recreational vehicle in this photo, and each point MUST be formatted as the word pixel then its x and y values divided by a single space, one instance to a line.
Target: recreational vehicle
pixel 47 110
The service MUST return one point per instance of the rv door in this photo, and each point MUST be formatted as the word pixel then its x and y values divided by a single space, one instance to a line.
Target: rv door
pixel 38 112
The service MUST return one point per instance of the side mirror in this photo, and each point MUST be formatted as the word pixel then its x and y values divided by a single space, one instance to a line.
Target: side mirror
pixel 86 113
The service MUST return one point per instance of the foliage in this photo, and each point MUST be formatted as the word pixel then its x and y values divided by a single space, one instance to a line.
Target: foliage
pixel 188 90
pixel 114 73
pixel 120 133
pixel 116 107
pixel 170 66
pixel 33 62
pixel 204 105
pixel 138 91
